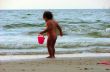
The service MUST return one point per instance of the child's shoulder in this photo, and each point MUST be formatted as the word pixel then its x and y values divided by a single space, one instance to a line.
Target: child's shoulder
pixel 52 22
pixel 49 21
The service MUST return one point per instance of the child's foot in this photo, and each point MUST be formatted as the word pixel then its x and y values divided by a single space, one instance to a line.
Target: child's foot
pixel 50 57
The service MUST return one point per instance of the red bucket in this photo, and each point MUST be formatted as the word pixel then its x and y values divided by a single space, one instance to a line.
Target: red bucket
pixel 41 39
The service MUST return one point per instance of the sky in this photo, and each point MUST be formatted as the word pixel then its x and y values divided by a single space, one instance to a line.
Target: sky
pixel 54 4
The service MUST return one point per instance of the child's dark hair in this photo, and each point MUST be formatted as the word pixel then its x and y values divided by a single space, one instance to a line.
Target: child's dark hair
pixel 48 15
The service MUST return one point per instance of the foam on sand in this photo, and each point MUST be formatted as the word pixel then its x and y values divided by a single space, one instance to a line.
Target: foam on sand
pixel 39 57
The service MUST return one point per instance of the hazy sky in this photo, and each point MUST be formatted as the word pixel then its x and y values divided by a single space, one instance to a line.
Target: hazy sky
pixel 54 4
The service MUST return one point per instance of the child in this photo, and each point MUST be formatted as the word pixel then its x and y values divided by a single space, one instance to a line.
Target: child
pixel 51 26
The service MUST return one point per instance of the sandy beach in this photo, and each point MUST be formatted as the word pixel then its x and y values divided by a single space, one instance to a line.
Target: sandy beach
pixel 62 63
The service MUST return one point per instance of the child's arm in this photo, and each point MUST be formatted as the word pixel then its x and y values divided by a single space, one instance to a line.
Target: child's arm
pixel 49 27
pixel 60 30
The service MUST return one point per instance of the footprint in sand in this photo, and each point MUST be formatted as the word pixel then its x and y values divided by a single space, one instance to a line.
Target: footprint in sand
pixel 33 70
pixel 107 69
pixel 23 69
pixel 21 63
pixel 4 69
pixel 85 68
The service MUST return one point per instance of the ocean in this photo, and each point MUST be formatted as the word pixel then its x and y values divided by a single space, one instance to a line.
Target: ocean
pixel 85 31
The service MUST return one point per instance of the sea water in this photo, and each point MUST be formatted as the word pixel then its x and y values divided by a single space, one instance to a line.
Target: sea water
pixel 84 30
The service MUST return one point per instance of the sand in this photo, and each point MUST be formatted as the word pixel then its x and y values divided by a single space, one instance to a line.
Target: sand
pixel 62 63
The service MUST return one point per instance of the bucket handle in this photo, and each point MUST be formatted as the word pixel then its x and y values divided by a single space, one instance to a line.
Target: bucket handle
pixel 41 35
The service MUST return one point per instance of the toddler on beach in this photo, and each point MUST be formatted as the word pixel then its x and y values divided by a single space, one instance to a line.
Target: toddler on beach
pixel 51 26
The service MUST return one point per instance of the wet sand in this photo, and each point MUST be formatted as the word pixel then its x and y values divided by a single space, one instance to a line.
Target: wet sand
pixel 60 64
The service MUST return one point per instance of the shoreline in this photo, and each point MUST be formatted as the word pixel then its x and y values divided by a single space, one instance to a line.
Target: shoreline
pixel 11 58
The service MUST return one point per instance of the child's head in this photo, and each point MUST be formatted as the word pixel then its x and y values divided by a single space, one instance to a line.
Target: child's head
pixel 47 15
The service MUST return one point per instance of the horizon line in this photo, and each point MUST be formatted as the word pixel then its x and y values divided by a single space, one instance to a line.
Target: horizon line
pixel 56 9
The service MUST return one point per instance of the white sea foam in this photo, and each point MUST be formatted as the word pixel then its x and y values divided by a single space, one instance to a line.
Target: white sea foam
pixel 11 58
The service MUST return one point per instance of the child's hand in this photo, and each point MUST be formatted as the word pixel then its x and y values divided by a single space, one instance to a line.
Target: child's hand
pixel 41 33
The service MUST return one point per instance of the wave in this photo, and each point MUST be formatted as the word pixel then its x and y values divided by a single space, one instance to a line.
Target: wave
pixel 100 34
pixel 23 25
pixel 21 42
pixel 65 44
pixel 69 45
pixel 83 22
pixel 91 30
pixel 34 51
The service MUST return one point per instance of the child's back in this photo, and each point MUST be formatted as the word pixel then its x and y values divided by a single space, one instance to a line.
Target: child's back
pixel 53 27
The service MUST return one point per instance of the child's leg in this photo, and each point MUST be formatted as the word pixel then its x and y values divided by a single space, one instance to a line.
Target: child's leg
pixel 53 46
pixel 49 46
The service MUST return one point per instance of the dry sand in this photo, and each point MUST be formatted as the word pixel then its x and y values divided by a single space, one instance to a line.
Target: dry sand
pixel 59 64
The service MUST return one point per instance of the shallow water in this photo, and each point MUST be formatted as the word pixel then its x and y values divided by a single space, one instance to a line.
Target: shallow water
pixel 84 30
